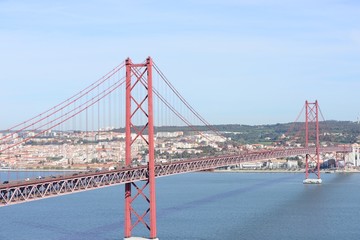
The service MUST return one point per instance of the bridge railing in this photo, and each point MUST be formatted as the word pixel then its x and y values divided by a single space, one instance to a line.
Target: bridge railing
pixel 23 191
pixel 221 161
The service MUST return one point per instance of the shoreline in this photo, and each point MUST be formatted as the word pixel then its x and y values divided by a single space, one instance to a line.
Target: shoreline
pixel 39 170
pixel 212 170
pixel 302 171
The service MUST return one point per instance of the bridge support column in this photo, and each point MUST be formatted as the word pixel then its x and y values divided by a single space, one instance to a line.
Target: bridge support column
pixel 140 238
pixel 312 133
pixel 140 127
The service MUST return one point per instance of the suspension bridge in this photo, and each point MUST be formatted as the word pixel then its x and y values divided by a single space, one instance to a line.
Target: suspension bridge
pixel 133 98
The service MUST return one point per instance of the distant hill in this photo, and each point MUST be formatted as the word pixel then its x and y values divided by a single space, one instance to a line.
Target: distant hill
pixel 342 132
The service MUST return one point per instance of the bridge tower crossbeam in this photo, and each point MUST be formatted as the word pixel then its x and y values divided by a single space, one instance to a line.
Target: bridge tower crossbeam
pixel 140 127
pixel 312 137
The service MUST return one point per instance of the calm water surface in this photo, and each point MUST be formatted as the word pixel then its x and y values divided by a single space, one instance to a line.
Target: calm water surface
pixel 202 206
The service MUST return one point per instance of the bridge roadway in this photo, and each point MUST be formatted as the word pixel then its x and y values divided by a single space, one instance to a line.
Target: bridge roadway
pixel 24 191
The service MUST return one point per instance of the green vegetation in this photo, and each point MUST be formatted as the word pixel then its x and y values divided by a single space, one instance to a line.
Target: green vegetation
pixel 332 132
pixel 336 132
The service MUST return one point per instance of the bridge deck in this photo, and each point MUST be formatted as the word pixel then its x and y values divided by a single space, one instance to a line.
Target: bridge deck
pixel 23 191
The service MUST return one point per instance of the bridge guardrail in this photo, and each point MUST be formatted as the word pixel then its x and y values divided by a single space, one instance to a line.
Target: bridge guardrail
pixel 12 193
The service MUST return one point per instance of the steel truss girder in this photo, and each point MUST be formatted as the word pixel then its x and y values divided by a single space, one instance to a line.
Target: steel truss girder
pixel 25 191
pixel 140 110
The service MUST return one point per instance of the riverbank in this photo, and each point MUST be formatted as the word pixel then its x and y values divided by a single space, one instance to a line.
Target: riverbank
pixel 281 171
pixel 39 170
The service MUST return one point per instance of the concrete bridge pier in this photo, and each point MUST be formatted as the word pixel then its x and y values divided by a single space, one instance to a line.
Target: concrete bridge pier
pixel 140 238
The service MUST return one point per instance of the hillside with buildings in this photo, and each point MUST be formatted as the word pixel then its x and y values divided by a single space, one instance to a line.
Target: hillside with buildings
pixel 106 148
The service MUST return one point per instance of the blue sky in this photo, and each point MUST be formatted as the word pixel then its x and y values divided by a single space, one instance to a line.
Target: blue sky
pixel 244 61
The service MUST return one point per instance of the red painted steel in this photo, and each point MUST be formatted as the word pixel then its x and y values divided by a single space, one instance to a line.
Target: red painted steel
pixel 43 127
pixel 57 108
pixel 306 139
pixel 151 150
pixel 140 76
pixel 23 191
pixel 312 130
pixel 140 180
pixel 317 138
pixel 127 223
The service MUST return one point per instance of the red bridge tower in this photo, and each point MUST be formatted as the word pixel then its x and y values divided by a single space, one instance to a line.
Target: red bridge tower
pixel 140 127
pixel 312 134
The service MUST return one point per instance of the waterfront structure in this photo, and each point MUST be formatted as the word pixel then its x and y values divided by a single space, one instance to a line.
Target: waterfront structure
pixel 353 158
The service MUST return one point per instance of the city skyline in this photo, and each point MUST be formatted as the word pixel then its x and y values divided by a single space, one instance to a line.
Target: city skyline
pixel 236 62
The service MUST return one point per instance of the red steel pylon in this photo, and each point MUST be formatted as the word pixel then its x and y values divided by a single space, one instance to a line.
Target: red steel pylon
pixel 312 134
pixel 140 127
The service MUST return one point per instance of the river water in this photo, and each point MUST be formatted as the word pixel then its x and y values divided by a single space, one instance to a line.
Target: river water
pixel 202 206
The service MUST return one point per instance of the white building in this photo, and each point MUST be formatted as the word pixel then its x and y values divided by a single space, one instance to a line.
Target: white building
pixel 292 164
pixel 354 156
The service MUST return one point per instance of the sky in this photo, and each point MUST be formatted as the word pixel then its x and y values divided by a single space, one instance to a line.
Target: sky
pixel 235 61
